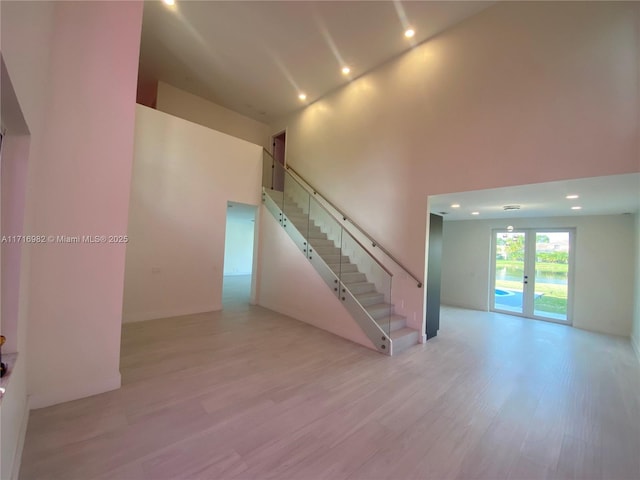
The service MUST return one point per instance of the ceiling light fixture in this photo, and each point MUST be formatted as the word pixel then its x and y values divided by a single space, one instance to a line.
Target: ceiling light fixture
pixel 572 197
pixel 346 70
pixel 302 96
pixel 510 228
pixel 409 32
pixel 455 205
pixel 475 213
pixel 576 208
pixel 170 3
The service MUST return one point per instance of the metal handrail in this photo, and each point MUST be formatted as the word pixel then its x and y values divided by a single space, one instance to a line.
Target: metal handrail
pixel 374 243
pixel 343 229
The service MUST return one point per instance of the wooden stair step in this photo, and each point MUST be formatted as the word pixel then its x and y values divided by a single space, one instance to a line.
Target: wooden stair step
pixel 319 243
pixel 393 323
pixel 380 311
pixel 352 277
pixel 329 259
pixel 360 287
pixel 404 339
pixel 369 298
pixel 344 268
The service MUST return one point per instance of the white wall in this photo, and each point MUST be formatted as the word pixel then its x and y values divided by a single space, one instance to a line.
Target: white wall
pixel 26 53
pixel 76 291
pixel 238 246
pixel 603 295
pixel 79 185
pixel 635 330
pixel 75 85
pixel 13 405
pixel 15 156
pixel 183 176
pixel 289 284
pixel 524 92
pixel 196 109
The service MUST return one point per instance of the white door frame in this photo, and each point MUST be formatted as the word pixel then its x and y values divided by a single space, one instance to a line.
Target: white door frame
pixel 529 271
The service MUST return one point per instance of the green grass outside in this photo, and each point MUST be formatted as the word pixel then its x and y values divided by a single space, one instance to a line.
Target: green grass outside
pixel 541 267
pixel 553 300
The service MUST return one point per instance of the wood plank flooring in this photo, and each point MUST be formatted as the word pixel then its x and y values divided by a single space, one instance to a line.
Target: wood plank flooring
pixel 250 394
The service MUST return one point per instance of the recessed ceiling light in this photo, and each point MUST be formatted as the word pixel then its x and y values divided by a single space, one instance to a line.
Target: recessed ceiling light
pixel 572 197
pixel 409 32
pixel 346 70
pixel 576 208
pixel 171 3
pixel 475 213
pixel 455 205
pixel 302 96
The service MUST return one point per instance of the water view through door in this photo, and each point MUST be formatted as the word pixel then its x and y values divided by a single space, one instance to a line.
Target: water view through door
pixel 531 273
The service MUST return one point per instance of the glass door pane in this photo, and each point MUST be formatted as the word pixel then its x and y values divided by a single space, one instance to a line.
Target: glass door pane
pixel 509 271
pixel 551 284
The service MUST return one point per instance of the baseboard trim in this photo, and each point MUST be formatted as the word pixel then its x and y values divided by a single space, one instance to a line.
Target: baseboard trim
pixel 144 316
pixel 17 458
pixel 67 393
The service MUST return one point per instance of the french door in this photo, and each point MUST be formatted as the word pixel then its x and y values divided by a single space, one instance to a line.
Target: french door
pixel 532 273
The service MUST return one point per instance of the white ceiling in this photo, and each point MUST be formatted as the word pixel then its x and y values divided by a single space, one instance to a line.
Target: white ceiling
pixel 254 57
pixel 611 195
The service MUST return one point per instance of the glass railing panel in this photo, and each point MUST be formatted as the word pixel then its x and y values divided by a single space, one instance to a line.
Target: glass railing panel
pixel 357 278
pixel 267 170
pixel 296 205
pixel 369 282
pixel 277 195
pixel 325 237
pixel 277 178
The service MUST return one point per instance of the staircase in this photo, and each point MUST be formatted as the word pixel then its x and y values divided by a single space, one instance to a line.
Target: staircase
pixel 368 305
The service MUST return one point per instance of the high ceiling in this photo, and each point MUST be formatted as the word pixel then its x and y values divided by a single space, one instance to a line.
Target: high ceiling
pixel 256 57
pixel 611 195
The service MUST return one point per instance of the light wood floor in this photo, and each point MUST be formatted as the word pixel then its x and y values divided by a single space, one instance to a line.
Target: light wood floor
pixel 236 290
pixel 250 394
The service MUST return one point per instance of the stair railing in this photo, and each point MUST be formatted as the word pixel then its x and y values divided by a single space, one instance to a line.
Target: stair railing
pixel 270 163
pixel 357 278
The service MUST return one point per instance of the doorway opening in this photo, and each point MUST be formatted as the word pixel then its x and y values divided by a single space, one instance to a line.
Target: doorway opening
pixel 238 254
pixel 279 143
pixel 532 273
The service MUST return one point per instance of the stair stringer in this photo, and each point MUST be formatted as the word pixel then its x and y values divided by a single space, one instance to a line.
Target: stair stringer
pixel 379 339
pixel 289 284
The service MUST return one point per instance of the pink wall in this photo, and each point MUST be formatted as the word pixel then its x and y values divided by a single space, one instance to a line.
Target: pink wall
pixel 15 155
pixel 183 176
pixel 289 284
pixel 79 185
pixel 26 38
pixel 524 92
